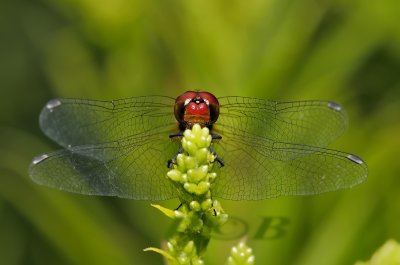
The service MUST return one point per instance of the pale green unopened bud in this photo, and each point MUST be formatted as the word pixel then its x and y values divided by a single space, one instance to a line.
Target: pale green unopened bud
pixel 206 204
pixel 202 155
pixel 195 206
pixel 241 255
pixel 183 259
pixel 198 189
pixel 175 175
pixel 388 254
pixel 190 162
pixel 212 176
pixel 180 161
pixel 189 147
pixel 198 174
pixel 189 247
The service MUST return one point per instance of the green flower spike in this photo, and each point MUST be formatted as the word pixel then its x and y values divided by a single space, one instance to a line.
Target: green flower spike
pixel 198 215
pixel 241 255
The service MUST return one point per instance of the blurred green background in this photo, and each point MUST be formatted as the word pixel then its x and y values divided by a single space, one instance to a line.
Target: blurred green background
pixel 346 51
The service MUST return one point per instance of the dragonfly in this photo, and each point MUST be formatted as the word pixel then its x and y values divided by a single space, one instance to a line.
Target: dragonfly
pixel 266 149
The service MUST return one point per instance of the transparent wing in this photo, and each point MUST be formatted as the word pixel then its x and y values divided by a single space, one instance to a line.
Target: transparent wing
pixel 259 168
pixel 315 123
pixel 134 167
pixel 74 122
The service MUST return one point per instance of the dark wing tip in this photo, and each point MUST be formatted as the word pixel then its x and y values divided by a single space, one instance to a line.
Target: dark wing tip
pixel 362 169
pixel 53 103
pixel 335 106
pixel 38 159
pixel 355 159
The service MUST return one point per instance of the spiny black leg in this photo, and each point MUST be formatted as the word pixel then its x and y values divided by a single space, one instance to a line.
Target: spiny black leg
pixel 217 158
pixel 180 134
pixel 215 136
pixel 214 211
pixel 220 161
pixel 172 161
pixel 175 134
pixel 178 207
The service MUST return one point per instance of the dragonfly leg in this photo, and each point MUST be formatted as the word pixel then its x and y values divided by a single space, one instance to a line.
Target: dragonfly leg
pixel 180 134
pixel 215 212
pixel 215 136
pixel 175 134
pixel 220 161
pixel 178 207
pixel 217 158
pixel 172 161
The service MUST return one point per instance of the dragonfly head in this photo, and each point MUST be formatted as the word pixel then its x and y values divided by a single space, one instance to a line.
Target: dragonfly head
pixel 196 107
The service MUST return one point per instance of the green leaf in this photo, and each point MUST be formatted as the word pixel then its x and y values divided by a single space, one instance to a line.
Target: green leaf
pixel 388 254
pixel 168 256
pixel 166 211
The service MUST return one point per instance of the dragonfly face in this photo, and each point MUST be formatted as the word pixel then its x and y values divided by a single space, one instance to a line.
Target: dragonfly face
pixel 269 148
pixel 196 107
